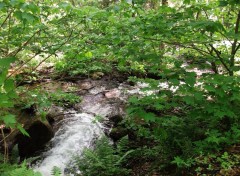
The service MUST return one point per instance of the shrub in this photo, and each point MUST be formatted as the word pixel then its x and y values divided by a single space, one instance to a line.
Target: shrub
pixel 198 119
pixel 103 160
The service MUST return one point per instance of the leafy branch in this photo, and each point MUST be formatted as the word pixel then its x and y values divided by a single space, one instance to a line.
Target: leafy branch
pixel 15 52
pixel 54 51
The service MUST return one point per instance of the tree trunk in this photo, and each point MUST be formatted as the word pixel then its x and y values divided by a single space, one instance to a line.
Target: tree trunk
pixel 164 3
pixel 234 45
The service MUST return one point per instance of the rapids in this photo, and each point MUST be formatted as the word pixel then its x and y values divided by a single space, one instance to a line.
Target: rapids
pixel 76 133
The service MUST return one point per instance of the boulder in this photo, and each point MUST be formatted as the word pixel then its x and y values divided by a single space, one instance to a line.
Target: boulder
pixel 40 133
pixel 116 119
pixel 117 133
pixel 55 114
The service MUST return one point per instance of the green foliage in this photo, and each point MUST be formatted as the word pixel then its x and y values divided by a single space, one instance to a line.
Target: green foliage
pixel 199 118
pixel 193 120
pixel 36 100
pixel 82 67
pixel 56 171
pixel 23 35
pixel 40 100
pixel 7 169
pixel 8 96
pixel 103 160
pixel 223 161
pixel 64 99
pixel 17 170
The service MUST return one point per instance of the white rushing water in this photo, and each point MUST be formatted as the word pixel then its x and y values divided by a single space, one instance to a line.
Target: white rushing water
pixel 78 132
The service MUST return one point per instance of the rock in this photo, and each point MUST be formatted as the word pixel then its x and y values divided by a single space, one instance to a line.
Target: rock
pixel 89 101
pixel 81 92
pixel 97 90
pixel 116 114
pixel 55 114
pixel 32 110
pixel 86 85
pixel 116 119
pixel 40 133
pixel 102 109
pixel 117 133
pixel 97 75
pixel 114 93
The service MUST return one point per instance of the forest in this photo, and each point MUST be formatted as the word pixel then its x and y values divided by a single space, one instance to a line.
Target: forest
pixel 119 87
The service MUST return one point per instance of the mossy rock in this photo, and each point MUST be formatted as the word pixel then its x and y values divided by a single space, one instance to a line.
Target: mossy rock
pixel 40 133
pixel 117 133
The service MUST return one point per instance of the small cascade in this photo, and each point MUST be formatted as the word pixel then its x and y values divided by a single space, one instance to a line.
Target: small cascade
pixel 76 133
pixel 79 131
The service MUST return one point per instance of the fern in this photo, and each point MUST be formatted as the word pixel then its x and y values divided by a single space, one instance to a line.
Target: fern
pixel 124 156
pixel 103 160
pixel 14 157
pixel 17 170
pixel 56 171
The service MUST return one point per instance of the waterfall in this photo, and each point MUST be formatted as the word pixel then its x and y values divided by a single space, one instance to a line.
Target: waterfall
pixel 76 133
pixel 81 129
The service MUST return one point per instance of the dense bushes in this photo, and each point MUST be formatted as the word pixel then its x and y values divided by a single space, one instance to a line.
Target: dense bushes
pixel 194 120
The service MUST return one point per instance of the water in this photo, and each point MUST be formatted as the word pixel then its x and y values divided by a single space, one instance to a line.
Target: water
pixel 76 133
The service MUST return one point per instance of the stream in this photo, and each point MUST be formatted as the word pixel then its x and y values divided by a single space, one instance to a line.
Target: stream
pixel 75 132
pixel 80 129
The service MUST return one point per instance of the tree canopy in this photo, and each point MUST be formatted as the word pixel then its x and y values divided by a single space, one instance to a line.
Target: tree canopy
pixel 190 45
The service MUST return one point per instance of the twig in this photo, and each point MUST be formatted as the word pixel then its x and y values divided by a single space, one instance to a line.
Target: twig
pixel 19 68
pixel 6 136
pixel 220 58
pixel 213 64
pixel 226 37
pixel 237 48
pixel 5 147
pixel 54 51
pixel 50 55
pixel 14 53
pixel 9 14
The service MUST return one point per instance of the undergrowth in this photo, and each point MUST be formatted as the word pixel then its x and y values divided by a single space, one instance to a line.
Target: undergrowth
pixel 104 160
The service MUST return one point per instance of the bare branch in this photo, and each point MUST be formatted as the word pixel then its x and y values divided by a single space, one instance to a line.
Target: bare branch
pixel 220 58
pixel 5 147
pixel 237 48
pixel 8 16
pixel 20 67
pixel 226 37
pixel 213 64
pixel 234 45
